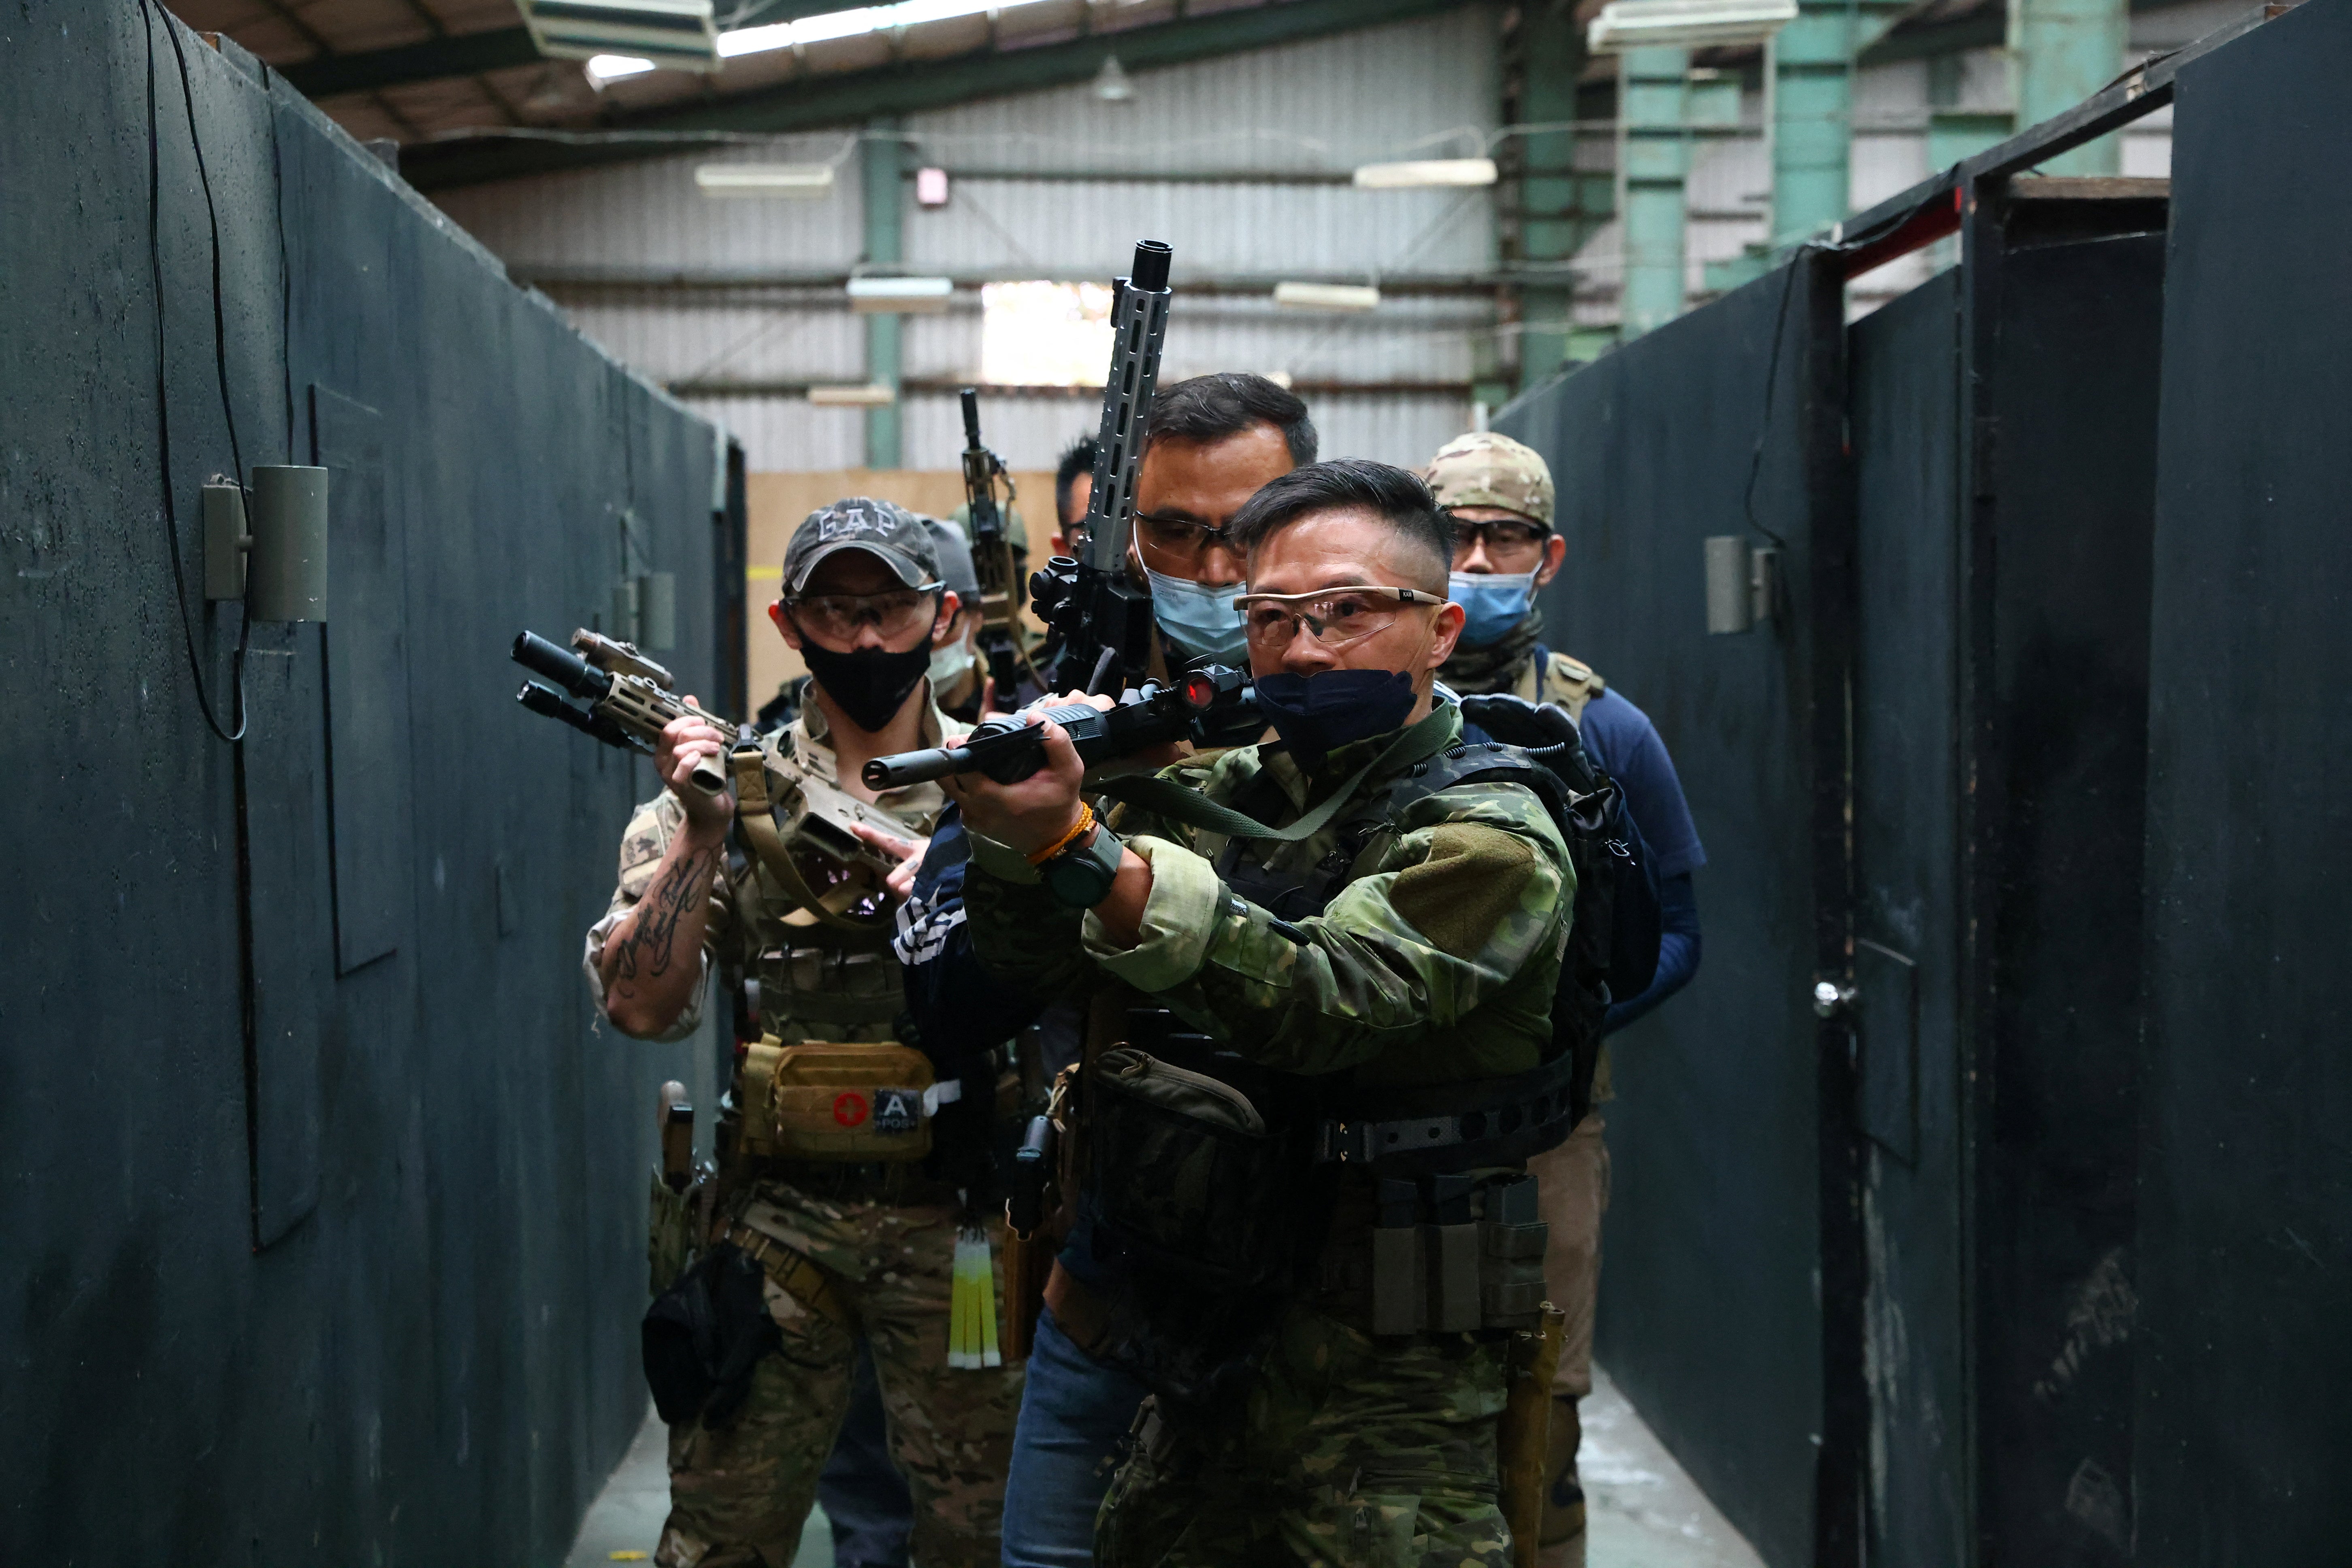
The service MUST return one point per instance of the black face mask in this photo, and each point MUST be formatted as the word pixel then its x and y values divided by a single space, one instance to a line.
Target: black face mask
pixel 1317 714
pixel 869 683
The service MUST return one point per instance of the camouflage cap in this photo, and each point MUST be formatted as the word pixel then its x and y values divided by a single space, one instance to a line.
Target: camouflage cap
pixel 1484 468
pixel 883 529
pixel 955 559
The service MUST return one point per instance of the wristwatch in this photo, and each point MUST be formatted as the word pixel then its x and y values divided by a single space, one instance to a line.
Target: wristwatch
pixel 1081 875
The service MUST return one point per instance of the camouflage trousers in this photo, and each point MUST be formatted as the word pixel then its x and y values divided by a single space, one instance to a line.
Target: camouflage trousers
pixel 739 1496
pixel 1346 1451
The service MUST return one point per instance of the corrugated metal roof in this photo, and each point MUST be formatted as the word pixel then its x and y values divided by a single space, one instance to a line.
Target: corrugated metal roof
pixel 1407 89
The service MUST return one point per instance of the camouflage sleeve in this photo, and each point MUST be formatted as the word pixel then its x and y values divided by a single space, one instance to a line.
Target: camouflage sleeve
pixel 1475 888
pixel 643 844
pixel 1024 936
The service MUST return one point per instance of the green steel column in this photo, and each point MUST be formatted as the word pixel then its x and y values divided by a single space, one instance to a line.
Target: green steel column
pixel 1812 76
pixel 1550 215
pixel 1652 160
pixel 882 161
pixel 2063 51
pixel 1811 61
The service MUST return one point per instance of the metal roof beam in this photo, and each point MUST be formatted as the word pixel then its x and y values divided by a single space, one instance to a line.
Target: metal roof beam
pixel 851 98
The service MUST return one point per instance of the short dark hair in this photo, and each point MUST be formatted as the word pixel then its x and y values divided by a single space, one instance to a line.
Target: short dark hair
pixel 1210 407
pixel 1078 459
pixel 1395 495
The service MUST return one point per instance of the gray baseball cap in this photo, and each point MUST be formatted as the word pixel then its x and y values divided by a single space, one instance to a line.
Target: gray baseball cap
pixel 955 561
pixel 883 529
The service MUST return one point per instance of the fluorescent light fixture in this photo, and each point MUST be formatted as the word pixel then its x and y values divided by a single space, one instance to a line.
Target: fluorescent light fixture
pixel 1687 24
pixel 755 41
pixel 804 182
pixel 603 68
pixel 678 32
pixel 906 295
pixel 1325 297
pixel 851 23
pixel 873 394
pixel 1425 172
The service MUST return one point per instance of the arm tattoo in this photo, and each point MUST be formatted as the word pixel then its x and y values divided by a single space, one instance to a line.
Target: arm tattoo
pixel 651 942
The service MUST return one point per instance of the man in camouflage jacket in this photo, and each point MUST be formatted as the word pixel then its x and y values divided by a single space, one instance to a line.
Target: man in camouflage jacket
pixel 863 602
pixel 1435 963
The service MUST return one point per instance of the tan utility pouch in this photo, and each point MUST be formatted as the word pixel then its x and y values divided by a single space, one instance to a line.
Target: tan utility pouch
pixel 823 1101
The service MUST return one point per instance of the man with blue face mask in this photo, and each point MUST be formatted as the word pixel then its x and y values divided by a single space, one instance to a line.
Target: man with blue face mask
pixel 1214 442
pixel 1506 550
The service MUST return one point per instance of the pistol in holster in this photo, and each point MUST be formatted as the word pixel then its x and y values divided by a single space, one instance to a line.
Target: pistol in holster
pixel 678 1226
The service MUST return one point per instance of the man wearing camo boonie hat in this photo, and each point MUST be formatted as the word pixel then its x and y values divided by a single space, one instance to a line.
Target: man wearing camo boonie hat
pixel 1507 547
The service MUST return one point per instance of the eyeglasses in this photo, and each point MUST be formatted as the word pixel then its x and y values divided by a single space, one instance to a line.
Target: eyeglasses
pixel 1505 541
pixel 1332 617
pixel 893 613
pixel 1178 537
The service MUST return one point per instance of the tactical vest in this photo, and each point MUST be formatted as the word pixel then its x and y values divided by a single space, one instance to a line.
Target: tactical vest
pixel 1213 1182
pixel 832 1074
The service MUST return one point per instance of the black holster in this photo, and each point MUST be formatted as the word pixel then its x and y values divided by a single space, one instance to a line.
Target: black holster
pixel 704 1336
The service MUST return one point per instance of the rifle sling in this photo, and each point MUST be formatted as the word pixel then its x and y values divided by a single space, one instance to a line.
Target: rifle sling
pixel 756 816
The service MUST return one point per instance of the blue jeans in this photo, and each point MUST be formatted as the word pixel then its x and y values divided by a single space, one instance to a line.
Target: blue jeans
pixel 864 1496
pixel 1073 1412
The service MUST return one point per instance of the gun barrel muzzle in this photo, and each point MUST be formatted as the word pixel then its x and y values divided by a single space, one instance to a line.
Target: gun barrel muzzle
pixel 1151 259
pixel 903 768
pixel 970 416
pixel 561 666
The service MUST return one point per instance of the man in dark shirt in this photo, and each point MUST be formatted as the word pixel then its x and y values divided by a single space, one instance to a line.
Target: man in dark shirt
pixel 1506 549
pixel 1214 441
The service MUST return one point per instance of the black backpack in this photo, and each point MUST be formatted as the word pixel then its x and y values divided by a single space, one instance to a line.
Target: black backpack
pixel 1613 945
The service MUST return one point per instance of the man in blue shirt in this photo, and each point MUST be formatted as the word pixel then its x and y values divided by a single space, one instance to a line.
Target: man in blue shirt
pixel 1500 493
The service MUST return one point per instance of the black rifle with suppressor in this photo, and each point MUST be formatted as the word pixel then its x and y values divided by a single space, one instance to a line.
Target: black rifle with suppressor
pixel 1104 619
pixel 1002 644
pixel 1212 706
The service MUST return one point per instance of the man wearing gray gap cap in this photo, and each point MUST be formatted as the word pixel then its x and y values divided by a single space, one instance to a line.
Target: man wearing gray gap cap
pixel 852 1160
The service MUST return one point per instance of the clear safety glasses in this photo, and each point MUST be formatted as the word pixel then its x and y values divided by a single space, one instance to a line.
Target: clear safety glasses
pixel 1332 617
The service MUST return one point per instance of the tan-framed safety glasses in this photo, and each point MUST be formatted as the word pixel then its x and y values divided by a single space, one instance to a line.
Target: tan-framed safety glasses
pixel 838 617
pixel 1332 617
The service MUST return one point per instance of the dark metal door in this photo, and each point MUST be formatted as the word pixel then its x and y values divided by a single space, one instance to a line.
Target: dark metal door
pixel 1905 393
pixel 2066 311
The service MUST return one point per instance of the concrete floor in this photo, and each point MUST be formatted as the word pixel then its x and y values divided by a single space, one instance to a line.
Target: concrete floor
pixel 1644 1511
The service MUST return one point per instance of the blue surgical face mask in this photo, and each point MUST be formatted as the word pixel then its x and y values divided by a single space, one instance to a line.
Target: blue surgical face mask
pixel 1200 621
pixel 1492 604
